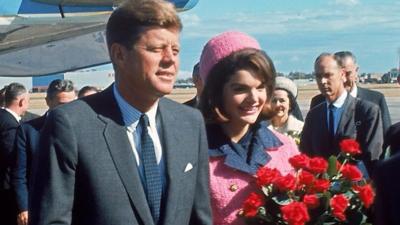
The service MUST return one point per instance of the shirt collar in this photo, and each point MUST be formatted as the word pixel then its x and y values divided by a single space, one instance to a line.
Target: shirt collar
pixel 130 114
pixel 338 103
pixel 353 91
pixel 15 115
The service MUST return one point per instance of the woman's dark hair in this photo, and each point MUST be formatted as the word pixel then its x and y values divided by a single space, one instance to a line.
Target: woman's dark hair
pixel 253 60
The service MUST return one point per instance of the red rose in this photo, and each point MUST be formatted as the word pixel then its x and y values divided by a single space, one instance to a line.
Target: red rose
pixel 366 194
pixel 318 165
pixel 306 178
pixel 311 201
pixel 295 213
pixel 252 203
pixel 339 205
pixel 350 146
pixel 299 161
pixel 285 183
pixel 266 176
pixel 351 172
pixel 320 185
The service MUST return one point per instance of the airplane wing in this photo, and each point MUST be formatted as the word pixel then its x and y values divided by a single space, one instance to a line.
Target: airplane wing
pixel 41 37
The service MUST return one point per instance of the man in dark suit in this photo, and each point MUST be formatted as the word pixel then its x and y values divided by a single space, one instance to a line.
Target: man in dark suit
pixel 387 182
pixel 198 83
pixel 16 99
pixel 349 63
pixel 26 141
pixel 127 155
pixel 340 116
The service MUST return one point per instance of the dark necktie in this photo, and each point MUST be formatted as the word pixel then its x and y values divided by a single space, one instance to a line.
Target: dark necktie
pixel 332 120
pixel 152 176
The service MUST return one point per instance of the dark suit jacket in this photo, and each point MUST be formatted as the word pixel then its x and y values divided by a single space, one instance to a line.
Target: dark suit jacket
pixel 88 173
pixel 387 181
pixel 360 120
pixel 29 116
pixel 8 127
pixel 368 95
pixel 26 143
pixel 192 102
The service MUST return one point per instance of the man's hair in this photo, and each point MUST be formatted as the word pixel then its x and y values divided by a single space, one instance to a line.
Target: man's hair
pixel 324 55
pixel 196 71
pixel 342 55
pixel 12 92
pixel 253 60
pixel 86 89
pixel 59 85
pixel 128 21
pixel 2 93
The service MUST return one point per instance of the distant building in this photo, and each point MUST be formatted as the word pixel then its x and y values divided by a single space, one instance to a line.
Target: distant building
pixel 40 84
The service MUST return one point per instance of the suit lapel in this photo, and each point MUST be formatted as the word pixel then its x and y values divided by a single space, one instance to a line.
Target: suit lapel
pixel 173 130
pixel 121 152
pixel 346 118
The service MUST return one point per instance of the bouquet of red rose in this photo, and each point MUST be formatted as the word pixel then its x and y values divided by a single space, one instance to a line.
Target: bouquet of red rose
pixel 320 192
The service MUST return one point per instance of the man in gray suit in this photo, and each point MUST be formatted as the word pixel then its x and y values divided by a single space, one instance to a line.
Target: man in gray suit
pixel 349 63
pixel 127 155
pixel 340 116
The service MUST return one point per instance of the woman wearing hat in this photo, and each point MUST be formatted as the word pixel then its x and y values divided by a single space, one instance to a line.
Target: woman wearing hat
pixel 239 79
pixel 282 104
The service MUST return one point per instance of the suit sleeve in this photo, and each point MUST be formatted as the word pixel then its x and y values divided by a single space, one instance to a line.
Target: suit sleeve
pixel 386 121
pixel 305 139
pixel 52 195
pixel 201 213
pixel 370 136
pixel 19 171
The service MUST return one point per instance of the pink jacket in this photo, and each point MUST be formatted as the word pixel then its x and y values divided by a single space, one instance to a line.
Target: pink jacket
pixel 229 187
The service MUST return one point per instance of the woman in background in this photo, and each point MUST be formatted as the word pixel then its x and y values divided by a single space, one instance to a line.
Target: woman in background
pixel 239 79
pixel 282 104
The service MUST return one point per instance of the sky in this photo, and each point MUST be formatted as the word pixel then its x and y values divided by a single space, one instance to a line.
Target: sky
pixel 295 32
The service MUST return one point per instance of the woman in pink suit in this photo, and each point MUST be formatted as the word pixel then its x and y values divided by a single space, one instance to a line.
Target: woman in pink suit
pixel 239 79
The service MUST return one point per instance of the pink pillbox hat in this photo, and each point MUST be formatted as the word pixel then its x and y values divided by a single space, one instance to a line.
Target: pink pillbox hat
pixel 221 46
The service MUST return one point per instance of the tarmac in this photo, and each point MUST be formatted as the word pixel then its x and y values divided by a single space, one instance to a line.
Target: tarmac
pixel 306 91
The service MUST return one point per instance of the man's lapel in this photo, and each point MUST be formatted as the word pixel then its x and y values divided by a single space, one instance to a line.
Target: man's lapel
pixel 174 132
pixel 121 152
pixel 346 120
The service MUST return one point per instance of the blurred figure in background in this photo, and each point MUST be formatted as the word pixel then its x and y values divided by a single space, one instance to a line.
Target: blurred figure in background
pixel 26 141
pixel 87 90
pixel 239 79
pixel 283 101
pixel 16 99
pixel 198 83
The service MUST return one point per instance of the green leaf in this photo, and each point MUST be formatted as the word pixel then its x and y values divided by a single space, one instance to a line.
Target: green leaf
pixel 332 171
pixel 282 199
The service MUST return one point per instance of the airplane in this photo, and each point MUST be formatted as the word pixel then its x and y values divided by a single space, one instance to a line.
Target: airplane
pixel 42 37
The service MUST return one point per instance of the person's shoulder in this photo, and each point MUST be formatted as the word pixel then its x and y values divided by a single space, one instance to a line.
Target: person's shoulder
pixel 390 165
pixel 36 123
pixel 368 93
pixel 180 109
pixel 366 106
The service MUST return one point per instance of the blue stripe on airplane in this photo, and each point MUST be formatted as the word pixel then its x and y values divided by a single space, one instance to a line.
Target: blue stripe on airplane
pixel 28 6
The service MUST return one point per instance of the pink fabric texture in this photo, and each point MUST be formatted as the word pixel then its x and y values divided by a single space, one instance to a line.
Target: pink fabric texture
pixel 221 46
pixel 225 200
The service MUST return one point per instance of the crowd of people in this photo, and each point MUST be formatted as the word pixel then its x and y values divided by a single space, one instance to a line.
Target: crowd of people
pixel 128 155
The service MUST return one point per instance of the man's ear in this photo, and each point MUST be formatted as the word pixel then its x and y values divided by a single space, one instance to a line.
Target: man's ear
pixel 343 74
pixel 118 53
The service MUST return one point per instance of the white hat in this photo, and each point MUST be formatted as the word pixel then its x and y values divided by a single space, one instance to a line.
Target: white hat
pixel 286 84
